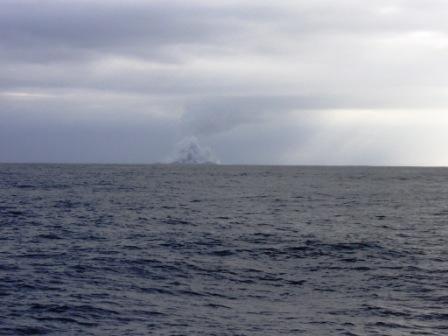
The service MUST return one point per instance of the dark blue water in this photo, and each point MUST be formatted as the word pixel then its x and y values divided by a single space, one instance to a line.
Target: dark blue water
pixel 221 250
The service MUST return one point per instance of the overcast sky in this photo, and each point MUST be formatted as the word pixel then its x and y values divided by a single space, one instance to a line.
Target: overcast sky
pixel 259 82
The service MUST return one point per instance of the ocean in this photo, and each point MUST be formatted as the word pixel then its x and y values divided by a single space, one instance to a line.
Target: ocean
pixel 223 250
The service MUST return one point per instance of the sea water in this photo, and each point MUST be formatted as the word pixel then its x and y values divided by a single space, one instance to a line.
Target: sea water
pixel 223 250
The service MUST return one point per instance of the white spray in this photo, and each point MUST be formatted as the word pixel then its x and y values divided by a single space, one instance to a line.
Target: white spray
pixel 189 151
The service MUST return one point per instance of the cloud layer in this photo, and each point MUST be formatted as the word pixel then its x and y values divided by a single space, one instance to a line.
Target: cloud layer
pixel 282 82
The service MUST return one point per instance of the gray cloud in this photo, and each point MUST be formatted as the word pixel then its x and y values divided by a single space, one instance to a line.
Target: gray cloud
pixel 215 115
pixel 44 139
pixel 268 79
pixel 74 30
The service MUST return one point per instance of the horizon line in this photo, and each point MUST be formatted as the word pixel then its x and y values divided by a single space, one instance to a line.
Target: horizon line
pixel 222 164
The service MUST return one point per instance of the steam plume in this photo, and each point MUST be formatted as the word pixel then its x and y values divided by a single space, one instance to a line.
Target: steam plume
pixel 191 152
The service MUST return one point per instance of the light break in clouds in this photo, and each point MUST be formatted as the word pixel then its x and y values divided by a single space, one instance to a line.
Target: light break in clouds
pixel 275 82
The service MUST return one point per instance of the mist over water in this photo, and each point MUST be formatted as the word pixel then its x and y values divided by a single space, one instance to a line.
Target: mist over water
pixel 222 250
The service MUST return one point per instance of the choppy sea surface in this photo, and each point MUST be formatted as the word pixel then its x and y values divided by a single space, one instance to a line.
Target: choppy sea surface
pixel 223 250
